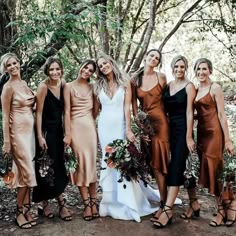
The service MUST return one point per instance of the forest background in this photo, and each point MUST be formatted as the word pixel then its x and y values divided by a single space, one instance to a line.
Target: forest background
pixel 75 30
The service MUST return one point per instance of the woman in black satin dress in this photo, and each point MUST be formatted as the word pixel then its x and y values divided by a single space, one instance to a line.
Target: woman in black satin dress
pixel 179 98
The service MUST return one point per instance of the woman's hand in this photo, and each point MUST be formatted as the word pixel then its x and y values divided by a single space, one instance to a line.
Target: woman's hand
pixel 67 140
pixel 130 135
pixel 6 147
pixel 229 147
pixel 191 145
pixel 42 143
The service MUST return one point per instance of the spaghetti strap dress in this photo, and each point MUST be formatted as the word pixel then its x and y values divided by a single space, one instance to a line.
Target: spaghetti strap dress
pixel 176 106
pixel 83 138
pixel 52 128
pixel 210 140
pixel 22 137
pixel 151 102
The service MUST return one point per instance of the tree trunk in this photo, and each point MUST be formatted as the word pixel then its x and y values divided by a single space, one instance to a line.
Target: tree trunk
pixel 7 32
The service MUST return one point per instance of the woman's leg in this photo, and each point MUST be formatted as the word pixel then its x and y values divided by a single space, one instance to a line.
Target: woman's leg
pixel 167 213
pixel 20 218
pixel 93 198
pixel 194 207
pixel 87 205
pixel 64 214
pixel 219 218
pixel 27 207
pixel 161 183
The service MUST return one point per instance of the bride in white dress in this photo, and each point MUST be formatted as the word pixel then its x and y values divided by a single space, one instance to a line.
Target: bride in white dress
pixel 114 98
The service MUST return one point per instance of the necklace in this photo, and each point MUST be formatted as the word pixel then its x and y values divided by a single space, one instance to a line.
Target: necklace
pixel 111 88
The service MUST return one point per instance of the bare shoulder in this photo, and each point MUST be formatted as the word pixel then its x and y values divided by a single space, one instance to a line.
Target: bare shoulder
pixel 216 87
pixel 161 76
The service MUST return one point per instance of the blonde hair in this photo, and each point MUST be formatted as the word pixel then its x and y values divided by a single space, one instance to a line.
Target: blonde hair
pixel 179 58
pixel 4 59
pixel 120 77
pixel 200 61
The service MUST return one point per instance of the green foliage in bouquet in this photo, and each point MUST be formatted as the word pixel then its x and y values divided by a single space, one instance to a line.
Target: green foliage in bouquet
pixel 71 161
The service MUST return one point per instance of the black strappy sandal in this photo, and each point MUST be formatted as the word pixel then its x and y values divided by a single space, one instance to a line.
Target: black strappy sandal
pixel 87 204
pixel 230 222
pixel 41 211
pixel 158 224
pixel 61 206
pixel 92 203
pixel 28 207
pixel 26 225
pixel 213 223
pixel 154 217
pixel 194 213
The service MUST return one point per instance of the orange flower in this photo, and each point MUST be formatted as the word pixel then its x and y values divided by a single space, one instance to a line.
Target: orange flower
pixel 109 149
pixel 8 178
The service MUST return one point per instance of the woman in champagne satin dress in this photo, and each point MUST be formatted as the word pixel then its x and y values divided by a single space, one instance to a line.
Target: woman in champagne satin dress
pixel 80 134
pixel 18 101
pixel 148 88
pixel 212 138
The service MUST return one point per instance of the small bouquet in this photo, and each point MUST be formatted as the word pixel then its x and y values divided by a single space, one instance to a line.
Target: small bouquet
pixel 45 167
pixel 71 162
pixel 143 122
pixel 6 168
pixel 228 174
pixel 191 172
pixel 128 160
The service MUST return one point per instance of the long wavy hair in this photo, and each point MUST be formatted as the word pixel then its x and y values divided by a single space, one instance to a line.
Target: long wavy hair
pixel 137 77
pixel 120 77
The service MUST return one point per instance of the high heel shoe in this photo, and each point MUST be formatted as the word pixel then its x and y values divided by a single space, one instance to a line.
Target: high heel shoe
pixel 26 214
pixel 154 217
pixel 41 211
pixel 213 223
pixel 93 203
pixel 61 206
pixel 230 222
pixel 26 225
pixel 87 204
pixel 194 212
pixel 158 224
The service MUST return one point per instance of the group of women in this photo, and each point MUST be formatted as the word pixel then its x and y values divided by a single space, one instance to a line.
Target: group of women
pixel 66 114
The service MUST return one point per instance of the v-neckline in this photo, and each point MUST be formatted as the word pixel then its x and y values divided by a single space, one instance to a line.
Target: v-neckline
pixel 55 95
pixel 113 95
pixel 176 92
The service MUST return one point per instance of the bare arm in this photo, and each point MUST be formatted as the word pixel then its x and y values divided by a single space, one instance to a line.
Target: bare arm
pixel 6 99
pixel 127 103
pixel 41 95
pixel 191 94
pixel 134 99
pixel 162 80
pixel 96 106
pixel 219 98
pixel 67 108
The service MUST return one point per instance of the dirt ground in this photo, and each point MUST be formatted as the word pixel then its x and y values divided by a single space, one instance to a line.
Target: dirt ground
pixel 107 226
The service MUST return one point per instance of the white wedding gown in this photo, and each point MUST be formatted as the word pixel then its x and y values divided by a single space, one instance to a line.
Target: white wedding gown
pixel 128 203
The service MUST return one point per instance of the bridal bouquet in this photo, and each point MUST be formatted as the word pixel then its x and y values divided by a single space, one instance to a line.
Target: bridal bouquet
pixel 71 162
pixel 228 173
pixel 128 160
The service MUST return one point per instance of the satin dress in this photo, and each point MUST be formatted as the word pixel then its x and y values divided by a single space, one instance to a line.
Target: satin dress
pixel 176 106
pixel 52 129
pixel 22 137
pixel 210 140
pixel 84 137
pixel 128 203
pixel 151 102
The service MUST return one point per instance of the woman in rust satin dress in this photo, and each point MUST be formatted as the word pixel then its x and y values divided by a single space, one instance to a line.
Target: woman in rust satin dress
pixel 212 137
pixel 19 139
pixel 82 137
pixel 148 87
